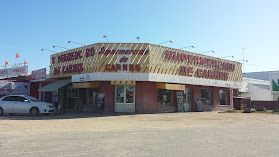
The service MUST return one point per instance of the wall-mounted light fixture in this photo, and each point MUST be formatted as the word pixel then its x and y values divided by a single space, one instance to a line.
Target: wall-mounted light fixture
pixel 166 42
pixel 47 50
pixel 60 47
pixel 227 57
pixel 192 46
pixel 208 52
pixel 106 38
pixel 138 38
pixel 75 43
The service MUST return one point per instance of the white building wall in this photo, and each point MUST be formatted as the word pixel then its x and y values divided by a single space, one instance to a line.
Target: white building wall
pixel 256 89
pixel 259 92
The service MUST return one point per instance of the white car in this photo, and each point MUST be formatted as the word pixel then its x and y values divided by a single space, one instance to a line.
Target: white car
pixel 13 104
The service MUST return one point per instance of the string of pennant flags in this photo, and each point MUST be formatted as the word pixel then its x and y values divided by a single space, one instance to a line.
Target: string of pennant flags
pixel 16 64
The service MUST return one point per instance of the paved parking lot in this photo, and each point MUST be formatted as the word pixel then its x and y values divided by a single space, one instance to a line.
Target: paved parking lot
pixel 167 134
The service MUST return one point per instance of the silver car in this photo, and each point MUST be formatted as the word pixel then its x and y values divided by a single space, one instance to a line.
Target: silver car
pixel 13 104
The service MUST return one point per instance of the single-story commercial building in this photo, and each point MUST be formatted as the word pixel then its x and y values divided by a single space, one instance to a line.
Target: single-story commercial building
pixel 142 78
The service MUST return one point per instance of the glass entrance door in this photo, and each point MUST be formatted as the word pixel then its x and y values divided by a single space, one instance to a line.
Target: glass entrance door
pixel 124 99
pixel 187 99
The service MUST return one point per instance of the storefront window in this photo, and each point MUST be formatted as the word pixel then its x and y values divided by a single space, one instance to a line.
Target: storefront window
pixel 224 97
pixel 129 94
pixel 119 94
pixel 164 97
pixel 91 96
pixel 48 97
pixel 75 93
pixel 206 96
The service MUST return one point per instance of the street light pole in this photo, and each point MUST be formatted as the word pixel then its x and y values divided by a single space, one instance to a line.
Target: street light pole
pixel 226 57
pixel 166 42
pixel 240 60
pixel 208 52
pixel 47 50
pixel 60 47
pixel 106 38
pixel 243 62
pixel 187 47
pixel 75 43
pixel 138 38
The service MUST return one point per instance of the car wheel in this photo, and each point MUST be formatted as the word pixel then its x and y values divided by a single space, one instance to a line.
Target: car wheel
pixel 34 111
pixel 1 111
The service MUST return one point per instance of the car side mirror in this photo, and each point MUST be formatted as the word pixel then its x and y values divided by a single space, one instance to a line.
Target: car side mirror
pixel 27 101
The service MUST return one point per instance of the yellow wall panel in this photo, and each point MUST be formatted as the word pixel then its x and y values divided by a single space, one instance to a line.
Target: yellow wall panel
pixel 93 84
pixel 161 85
pixel 155 61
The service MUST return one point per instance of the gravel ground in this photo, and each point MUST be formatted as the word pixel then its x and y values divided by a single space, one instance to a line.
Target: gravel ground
pixel 166 134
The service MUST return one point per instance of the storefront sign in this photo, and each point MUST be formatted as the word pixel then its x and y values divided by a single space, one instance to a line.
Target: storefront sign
pixel 204 62
pixel 192 80
pixel 68 57
pixel 108 59
pixel 123 61
pixel 98 57
pixel 13 72
pixel 123 50
pixel 38 74
pixel 198 60
pixel 122 67
pixel 20 88
pixel 180 101
pixel 107 76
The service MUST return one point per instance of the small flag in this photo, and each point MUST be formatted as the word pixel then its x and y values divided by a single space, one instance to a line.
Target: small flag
pixel 17 55
pixel 25 62
pixel 6 63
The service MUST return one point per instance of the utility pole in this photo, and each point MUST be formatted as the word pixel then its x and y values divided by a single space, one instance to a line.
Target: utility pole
pixel 243 62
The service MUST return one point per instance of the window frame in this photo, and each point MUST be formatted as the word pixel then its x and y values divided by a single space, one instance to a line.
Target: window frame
pixel 88 95
pixel 171 98
pixel 20 99
pixel 125 94
pixel 210 97
pixel 10 98
pixel 228 97
pixel 133 87
pixel 116 95
pixel 74 92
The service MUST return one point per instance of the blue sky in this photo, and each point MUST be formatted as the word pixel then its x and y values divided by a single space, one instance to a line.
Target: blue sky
pixel 27 26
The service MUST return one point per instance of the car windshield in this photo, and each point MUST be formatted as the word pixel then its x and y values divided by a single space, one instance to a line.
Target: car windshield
pixel 32 98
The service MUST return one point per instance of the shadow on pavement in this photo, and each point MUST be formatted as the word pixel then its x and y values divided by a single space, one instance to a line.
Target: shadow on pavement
pixel 61 116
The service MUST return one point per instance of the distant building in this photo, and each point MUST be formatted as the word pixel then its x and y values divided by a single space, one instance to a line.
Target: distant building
pixel 257 85
pixel 258 90
pixel 263 75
